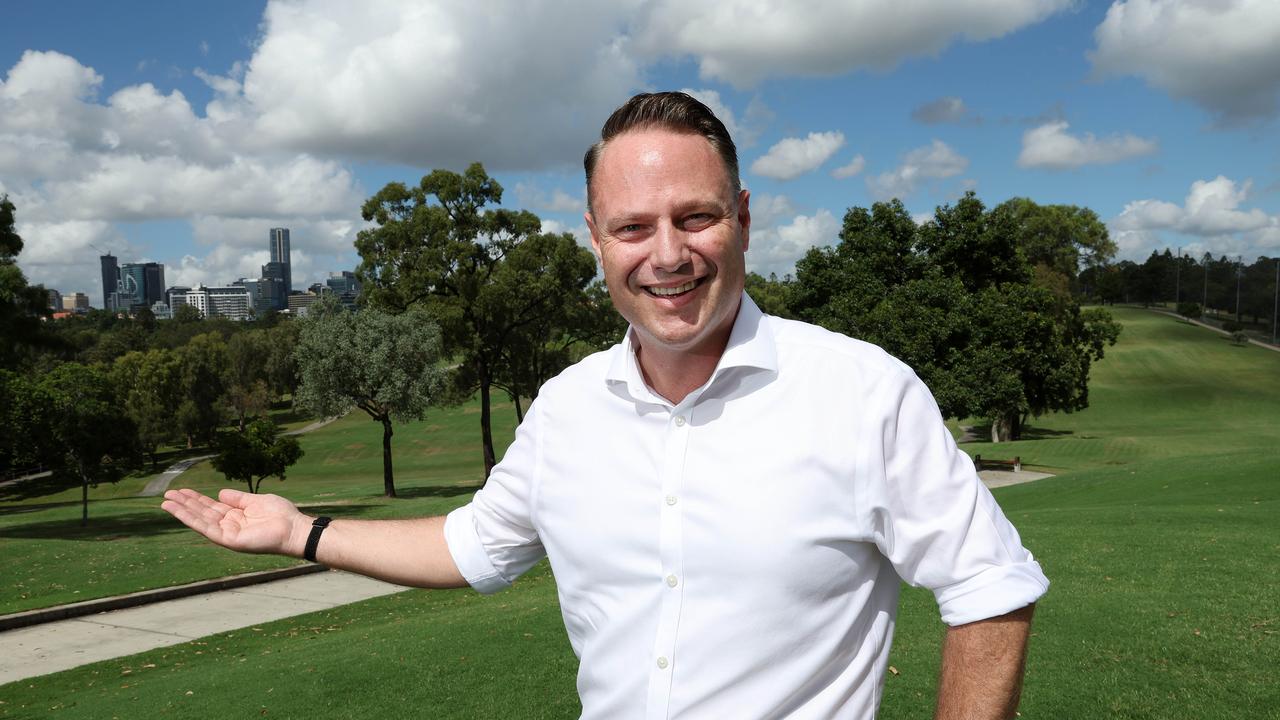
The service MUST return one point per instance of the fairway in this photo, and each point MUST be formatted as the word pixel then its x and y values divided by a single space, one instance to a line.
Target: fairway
pixel 1159 534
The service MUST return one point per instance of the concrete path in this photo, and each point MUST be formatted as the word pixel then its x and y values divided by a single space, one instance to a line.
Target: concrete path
pixel 1001 478
pixel 158 484
pixel 64 644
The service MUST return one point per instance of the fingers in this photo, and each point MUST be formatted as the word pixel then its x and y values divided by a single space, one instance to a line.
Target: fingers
pixel 234 498
pixel 196 511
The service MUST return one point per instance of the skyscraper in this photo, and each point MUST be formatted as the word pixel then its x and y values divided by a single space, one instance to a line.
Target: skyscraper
pixel 110 280
pixel 279 247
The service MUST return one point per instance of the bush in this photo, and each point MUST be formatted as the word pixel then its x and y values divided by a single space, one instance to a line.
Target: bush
pixel 1189 310
pixel 1232 326
pixel 1239 337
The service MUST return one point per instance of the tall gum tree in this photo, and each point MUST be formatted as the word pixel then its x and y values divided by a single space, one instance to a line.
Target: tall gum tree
pixel 490 278
pixel 386 365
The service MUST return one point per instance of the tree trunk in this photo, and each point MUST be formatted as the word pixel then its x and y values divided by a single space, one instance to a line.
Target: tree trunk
pixel 84 499
pixel 486 424
pixel 1000 429
pixel 388 481
pixel 519 409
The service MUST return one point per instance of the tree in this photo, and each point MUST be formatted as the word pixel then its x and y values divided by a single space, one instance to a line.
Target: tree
pixel 149 388
pixel 186 314
pixel 92 440
pixel 21 305
pixel 772 295
pixel 204 364
pixel 955 300
pixel 255 453
pixel 384 364
pixel 436 247
pixel 248 357
pixel 1058 241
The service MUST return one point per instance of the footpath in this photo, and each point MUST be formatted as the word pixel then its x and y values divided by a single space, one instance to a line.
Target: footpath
pixel 40 642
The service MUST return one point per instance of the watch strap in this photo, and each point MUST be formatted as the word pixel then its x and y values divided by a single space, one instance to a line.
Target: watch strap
pixel 313 540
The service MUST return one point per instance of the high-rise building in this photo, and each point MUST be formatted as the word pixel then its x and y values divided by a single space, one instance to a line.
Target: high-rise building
pixel 132 289
pixel 232 301
pixel 345 285
pixel 279 247
pixel 55 300
pixel 110 280
pixel 153 273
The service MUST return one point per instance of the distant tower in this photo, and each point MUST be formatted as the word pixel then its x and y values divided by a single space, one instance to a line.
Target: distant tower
pixel 280 254
pixel 110 280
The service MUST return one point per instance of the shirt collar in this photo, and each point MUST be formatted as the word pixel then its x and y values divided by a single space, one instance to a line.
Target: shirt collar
pixel 750 346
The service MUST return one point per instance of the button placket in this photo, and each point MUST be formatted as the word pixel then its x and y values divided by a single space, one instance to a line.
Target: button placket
pixel 671 559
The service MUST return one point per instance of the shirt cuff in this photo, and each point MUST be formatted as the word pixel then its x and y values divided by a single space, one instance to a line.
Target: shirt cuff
pixel 468 552
pixel 993 592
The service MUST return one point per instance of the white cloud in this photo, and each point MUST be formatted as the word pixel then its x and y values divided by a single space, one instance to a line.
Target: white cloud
pixel 943 110
pixel 438 83
pixel 1050 146
pixel 753 40
pixel 780 236
pixel 792 157
pixel 1210 212
pixel 1222 55
pixel 531 197
pixel 848 170
pixel 935 161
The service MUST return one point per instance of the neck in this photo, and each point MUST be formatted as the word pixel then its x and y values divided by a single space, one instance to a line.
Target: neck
pixel 674 373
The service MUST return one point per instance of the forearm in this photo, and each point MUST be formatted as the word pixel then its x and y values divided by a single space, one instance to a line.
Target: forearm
pixel 406 552
pixel 982 665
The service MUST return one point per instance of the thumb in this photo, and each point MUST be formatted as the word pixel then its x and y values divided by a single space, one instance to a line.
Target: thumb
pixel 234 498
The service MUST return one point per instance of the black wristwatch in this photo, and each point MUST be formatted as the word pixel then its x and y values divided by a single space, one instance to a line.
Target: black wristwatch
pixel 313 540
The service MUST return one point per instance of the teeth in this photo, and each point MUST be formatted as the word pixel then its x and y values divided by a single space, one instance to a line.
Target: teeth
pixel 674 290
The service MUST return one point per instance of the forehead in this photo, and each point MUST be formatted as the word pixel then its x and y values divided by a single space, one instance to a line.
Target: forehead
pixel 656 163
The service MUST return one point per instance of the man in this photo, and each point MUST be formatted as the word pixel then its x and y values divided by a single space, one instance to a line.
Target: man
pixel 728 500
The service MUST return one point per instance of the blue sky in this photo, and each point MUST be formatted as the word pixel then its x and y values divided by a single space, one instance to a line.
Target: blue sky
pixel 181 132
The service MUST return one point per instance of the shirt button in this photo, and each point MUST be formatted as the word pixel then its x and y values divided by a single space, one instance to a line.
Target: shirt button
pixel 671 499
pixel 662 663
pixel 672 581
pixel 679 421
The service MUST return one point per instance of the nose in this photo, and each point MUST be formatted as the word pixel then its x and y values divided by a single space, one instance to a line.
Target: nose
pixel 670 251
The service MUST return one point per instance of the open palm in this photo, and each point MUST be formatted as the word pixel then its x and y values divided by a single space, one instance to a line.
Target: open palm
pixel 238 520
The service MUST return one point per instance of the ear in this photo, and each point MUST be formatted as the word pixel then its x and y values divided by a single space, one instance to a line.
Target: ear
pixel 744 217
pixel 595 237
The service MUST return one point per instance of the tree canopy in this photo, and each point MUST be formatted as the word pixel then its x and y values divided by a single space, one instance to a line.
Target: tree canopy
pixel 387 365
pixel 255 453
pixel 499 287
pixel 954 298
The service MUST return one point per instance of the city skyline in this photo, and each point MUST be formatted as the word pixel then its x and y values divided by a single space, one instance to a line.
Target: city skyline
pixel 182 133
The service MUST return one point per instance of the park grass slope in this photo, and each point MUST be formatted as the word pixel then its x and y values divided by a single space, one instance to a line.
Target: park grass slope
pixel 1159 535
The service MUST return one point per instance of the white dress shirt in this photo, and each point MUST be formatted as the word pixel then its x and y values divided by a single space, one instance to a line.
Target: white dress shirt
pixel 738 555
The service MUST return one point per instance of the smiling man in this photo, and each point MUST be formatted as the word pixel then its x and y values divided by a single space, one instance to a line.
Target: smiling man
pixel 729 500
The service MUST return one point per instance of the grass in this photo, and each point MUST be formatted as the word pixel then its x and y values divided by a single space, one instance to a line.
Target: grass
pixel 1159 536
pixel 47 558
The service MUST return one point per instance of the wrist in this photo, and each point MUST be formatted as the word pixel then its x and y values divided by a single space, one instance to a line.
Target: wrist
pixel 298 533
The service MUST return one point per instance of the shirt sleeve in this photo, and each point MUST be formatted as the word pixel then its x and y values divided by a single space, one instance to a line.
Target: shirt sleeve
pixel 492 539
pixel 935 521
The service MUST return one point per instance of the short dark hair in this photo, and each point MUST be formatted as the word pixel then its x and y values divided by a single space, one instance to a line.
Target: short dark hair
pixel 675 111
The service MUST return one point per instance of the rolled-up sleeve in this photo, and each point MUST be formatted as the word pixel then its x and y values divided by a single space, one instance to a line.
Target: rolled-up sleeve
pixel 493 539
pixel 934 519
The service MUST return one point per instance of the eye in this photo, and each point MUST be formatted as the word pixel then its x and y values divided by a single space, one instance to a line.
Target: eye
pixel 697 221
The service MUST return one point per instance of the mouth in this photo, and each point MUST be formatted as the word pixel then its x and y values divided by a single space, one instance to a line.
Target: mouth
pixel 666 292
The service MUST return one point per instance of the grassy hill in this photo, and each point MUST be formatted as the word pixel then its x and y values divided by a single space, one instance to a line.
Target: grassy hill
pixel 1159 535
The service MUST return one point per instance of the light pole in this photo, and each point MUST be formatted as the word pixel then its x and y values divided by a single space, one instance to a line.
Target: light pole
pixel 1239 274
pixel 1204 303
pixel 1275 306
pixel 1177 281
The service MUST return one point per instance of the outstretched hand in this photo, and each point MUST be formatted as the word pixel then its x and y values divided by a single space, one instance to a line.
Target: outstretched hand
pixel 242 521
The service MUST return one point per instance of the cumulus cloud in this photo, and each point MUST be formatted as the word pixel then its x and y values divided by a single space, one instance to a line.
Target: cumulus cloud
pixel 1050 146
pixel 754 40
pixel 1210 212
pixel 438 83
pixel 935 161
pixel 1222 56
pixel 943 110
pixel 851 168
pixel 780 236
pixel 531 197
pixel 792 157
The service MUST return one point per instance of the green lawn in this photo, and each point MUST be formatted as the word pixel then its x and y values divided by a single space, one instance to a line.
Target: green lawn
pixel 1159 535
pixel 47 558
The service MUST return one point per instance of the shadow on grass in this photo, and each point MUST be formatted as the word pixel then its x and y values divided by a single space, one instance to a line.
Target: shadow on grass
pixel 112 527
pixel 440 491
pixel 1035 433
